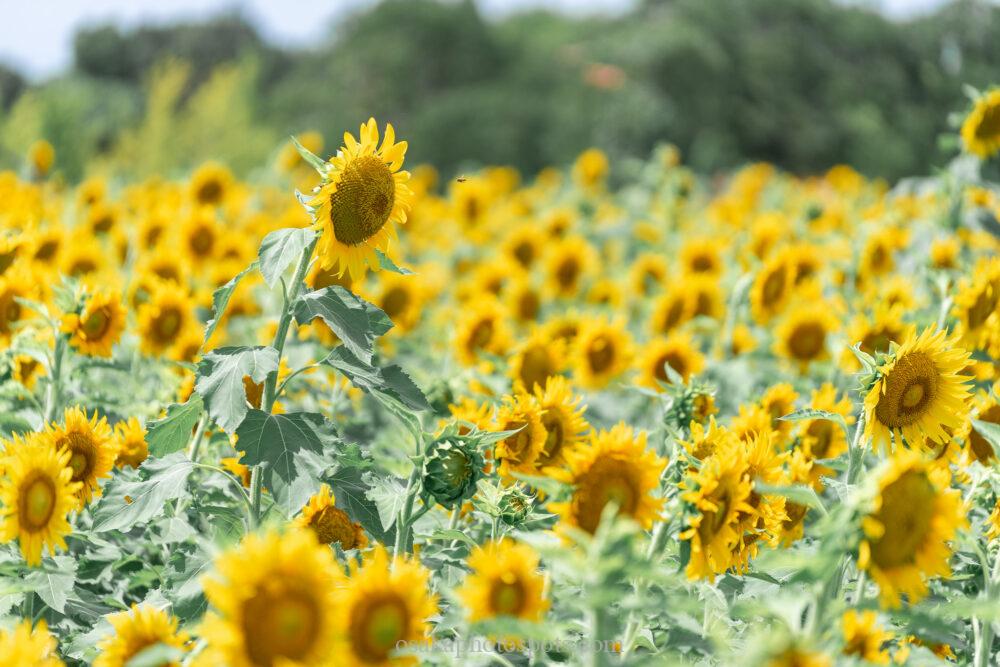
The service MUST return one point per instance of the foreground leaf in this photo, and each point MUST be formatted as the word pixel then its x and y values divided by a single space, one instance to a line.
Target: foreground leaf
pixel 355 321
pixel 171 434
pixel 220 380
pixel 282 248
pixel 127 503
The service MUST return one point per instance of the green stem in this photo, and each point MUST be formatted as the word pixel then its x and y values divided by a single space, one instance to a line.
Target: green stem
pixel 403 520
pixel 256 492
pixel 656 544
pixel 856 457
pixel 199 436
pixel 54 391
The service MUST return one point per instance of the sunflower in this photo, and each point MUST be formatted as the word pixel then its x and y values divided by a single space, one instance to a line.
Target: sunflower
pixel 504 581
pixel 611 466
pixel 944 253
pixel 568 263
pixel 778 401
pixel 822 438
pixel 804 333
pixel 537 360
pixel 523 300
pixel 98 326
pixel 36 494
pixel 701 255
pixel 875 333
pixel 273 600
pixel 795 655
pixel 91 447
pixel 173 267
pixel 800 471
pixel 864 638
pixel 471 200
pixel 704 295
pixel 24 646
pixel 648 274
pixel 524 244
pixel 164 318
pixel 481 329
pixel 240 470
pixel 102 218
pixel 14 284
pixel 672 309
pixel 82 256
pixel 130 437
pixel 518 452
pixel 562 418
pixel 771 289
pixel 767 519
pixel 718 493
pixel 601 352
pixel 591 169
pixel 906 535
pixel 363 196
pixel 383 604
pixel 981 128
pixel 401 298
pixel 135 630
pixel 703 442
pixel 993 522
pixel 210 184
pixel 987 409
pixel 199 235
pixel 976 304
pixel 678 350
pixel 918 392
pixel 45 245
pixel 26 370
pixel 41 157
pixel 329 523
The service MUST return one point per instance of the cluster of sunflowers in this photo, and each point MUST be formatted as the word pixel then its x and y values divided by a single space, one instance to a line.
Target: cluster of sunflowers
pixel 645 418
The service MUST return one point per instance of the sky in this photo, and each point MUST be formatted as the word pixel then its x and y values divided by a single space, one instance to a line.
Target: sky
pixel 36 36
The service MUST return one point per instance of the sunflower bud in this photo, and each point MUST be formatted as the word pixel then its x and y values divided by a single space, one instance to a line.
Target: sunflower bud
pixel 452 466
pixel 515 506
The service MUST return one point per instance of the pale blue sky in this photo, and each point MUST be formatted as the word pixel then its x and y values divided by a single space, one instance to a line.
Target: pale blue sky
pixel 36 35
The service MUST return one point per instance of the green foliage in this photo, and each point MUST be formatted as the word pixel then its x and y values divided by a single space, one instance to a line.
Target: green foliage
pixel 128 502
pixel 280 249
pixel 355 321
pixel 171 434
pixel 220 380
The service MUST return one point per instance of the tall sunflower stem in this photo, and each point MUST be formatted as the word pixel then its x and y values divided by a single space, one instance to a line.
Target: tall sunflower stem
pixel 199 436
pixel 53 394
pixel 856 457
pixel 405 513
pixel 656 543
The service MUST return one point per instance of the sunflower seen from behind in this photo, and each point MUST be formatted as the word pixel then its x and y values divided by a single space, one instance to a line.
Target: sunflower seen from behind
pixel 273 601
pixel 918 391
pixel 504 581
pixel 914 516
pixel 37 493
pixel 384 602
pixel 612 466
pixel 135 630
pixel 363 196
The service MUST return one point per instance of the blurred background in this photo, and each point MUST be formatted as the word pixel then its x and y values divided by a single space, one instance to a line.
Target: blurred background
pixel 141 88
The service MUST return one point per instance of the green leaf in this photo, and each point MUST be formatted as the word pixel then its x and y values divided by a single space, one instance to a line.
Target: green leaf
pixel 355 321
pixel 282 444
pixel 220 300
pixel 171 434
pixel 187 565
pixel 389 265
pixel 351 492
pixel 391 381
pixel 220 380
pixel 130 502
pixel 156 655
pixel 990 433
pixel 451 534
pixel 812 413
pixel 388 495
pixel 53 581
pixel 282 248
pixel 317 163
pixel 797 493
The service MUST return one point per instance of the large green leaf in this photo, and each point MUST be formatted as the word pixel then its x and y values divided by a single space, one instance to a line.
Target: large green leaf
pixel 355 321
pixel 282 248
pixel 130 502
pixel 390 381
pixel 53 581
pixel 388 495
pixel 288 447
pixel 221 297
pixel 220 380
pixel 171 434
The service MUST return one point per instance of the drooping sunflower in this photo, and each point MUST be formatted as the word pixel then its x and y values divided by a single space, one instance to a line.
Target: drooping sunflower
pixel 678 350
pixel 981 128
pixel 91 448
pixel 36 494
pixel 864 638
pixel 329 523
pixel 130 437
pixel 563 420
pixel 918 392
pixel 24 646
pixel 98 326
pixel 520 451
pixel 164 318
pixel 210 184
pixel 385 602
pixel 611 466
pixel 803 335
pixel 504 582
pixel 906 535
pixel 274 602
pixel 718 492
pixel 363 197
pixel 602 350
pixel 537 360
pixel 135 630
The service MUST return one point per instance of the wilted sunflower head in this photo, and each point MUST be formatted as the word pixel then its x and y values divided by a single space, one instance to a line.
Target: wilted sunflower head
pixel 329 523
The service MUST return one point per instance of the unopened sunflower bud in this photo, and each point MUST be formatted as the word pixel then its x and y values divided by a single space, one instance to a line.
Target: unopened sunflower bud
pixel 452 466
pixel 515 506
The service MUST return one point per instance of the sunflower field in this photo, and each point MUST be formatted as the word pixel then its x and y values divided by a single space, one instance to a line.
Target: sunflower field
pixel 342 413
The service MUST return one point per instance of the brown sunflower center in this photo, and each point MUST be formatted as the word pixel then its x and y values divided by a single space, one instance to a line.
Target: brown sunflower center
pixel 201 241
pixel 702 263
pixel 774 287
pixel 82 266
pixel 981 310
pixel 608 480
pixel 378 626
pixel 676 361
pixel 567 272
pixel 395 301
pixel 807 341
pixel 536 367
pixel 989 126
pixel 821 433
pixel 280 625
pixel 524 253
pixel 555 435
pixel 363 200
pixel 713 520
pixel 83 452
pixel 907 511
pixel 97 323
pixel 47 250
pixel 332 524
pixel 878 340
pixel 11 312
pixel 38 502
pixel 209 192
pixel 528 305
pixel 507 595
pixel 103 224
pixel 601 354
pixel 910 388
pixel 167 324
